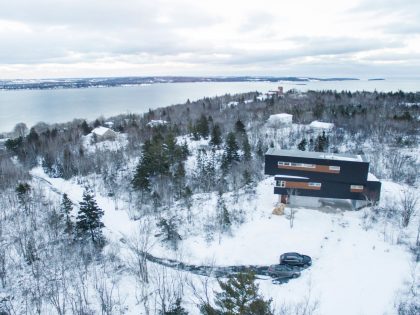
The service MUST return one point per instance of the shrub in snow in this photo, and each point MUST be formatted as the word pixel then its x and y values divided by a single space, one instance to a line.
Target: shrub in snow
pixel 239 295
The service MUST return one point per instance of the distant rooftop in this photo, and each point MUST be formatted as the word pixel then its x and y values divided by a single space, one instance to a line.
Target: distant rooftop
pixel 316 155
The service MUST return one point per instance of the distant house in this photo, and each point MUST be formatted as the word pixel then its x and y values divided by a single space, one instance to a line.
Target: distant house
pixel 321 126
pixel 280 120
pixel 322 175
pixel 156 123
pixel 278 92
pixel 103 133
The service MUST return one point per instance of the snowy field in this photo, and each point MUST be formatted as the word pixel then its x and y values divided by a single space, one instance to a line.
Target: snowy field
pixel 356 269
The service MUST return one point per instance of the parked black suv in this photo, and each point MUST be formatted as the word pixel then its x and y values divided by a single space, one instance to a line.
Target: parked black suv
pixel 295 259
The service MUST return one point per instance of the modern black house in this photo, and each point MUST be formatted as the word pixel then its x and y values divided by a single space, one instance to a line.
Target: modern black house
pixel 323 175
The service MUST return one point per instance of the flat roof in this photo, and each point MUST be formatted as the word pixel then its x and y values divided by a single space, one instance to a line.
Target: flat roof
pixel 316 155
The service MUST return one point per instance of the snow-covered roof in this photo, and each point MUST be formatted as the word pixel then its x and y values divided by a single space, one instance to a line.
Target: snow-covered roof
pixel 155 123
pixel 233 103
pixel 315 155
pixel 100 131
pixel 321 125
pixel 280 118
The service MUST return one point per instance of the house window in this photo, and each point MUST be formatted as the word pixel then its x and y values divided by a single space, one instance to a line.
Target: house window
pixel 356 187
pixel 307 165
pixel 281 183
pixel 292 164
pixel 334 168
pixel 312 184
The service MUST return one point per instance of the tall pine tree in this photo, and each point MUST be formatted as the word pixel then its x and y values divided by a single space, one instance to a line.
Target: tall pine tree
pixel 88 221
pixel 66 207
pixel 216 136
pixel 231 151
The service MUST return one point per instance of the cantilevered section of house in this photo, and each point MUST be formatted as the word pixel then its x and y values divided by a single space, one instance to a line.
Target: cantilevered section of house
pixel 323 175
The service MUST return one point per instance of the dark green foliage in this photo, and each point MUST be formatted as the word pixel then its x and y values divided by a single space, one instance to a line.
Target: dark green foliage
pixel 302 145
pixel 202 127
pixel 66 207
pixel 31 254
pixel 246 147
pixel 223 215
pixel 239 296
pixel 247 177
pixel 88 221
pixel 23 190
pixel 176 309
pixel 230 154
pixel 216 136
pixel 319 109
pixel 321 143
pixel 159 156
pixel 96 123
pixel 260 149
pixel 85 128
pixel 169 231
pixel 33 136
pixel 14 145
pixel 239 126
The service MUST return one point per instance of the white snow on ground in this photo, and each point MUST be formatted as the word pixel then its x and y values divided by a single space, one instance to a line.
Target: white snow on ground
pixel 354 271
pixel 117 222
pixel 106 145
pixel 352 267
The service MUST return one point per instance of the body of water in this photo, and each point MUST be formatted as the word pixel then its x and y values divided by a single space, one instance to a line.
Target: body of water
pixel 61 105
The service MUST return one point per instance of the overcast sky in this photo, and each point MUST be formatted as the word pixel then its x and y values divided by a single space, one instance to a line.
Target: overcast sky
pixel 85 38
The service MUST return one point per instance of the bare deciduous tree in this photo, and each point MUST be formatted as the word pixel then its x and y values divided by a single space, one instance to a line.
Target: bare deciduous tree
pixel 409 201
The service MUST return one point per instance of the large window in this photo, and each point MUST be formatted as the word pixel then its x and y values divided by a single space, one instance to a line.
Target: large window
pixel 293 164
pixel 334 168
pixel 312 184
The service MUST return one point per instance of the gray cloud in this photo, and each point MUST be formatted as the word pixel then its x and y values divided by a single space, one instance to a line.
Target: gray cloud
pixel 181 32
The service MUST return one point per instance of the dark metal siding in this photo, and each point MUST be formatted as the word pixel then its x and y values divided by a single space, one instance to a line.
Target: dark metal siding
pixel 350 171
pixel 334 190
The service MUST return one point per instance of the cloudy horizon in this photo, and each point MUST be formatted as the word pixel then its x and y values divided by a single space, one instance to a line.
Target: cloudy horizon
pixel 62 38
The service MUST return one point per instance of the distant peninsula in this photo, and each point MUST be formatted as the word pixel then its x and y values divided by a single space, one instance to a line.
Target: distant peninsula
pixel 74 83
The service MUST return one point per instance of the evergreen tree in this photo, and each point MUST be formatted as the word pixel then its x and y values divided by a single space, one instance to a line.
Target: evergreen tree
pixel 321 143
pixel 85 128
pixel 23 190
pixel 240 127
pixel 223 215
pixel 216 136
pixel 88 221
pixel 302 145
pixel 231 151
pixel 239 296
pixel 169 231
pixel 246 147
pixel 247 177
pixel 202 127
pixel 176 309
pixel 66 207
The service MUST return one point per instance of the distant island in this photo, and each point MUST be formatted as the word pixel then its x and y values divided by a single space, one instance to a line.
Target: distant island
pixel 376 79
pixel 69 83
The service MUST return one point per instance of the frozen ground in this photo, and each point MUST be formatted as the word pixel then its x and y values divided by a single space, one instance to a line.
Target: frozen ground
pixel 354 270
